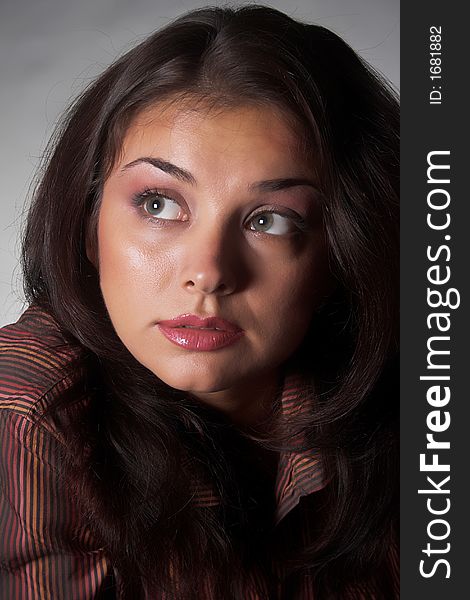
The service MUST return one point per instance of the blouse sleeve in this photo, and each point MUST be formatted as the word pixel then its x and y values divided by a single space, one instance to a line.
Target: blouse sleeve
pixel 45 552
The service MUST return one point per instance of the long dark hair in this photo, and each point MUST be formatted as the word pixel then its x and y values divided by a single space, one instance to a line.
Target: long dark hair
pixel 138 431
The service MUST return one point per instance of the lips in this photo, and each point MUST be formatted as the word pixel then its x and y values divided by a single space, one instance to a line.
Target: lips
pixel 201 334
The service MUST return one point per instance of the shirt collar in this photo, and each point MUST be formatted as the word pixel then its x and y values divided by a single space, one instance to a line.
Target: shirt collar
pixel 299 473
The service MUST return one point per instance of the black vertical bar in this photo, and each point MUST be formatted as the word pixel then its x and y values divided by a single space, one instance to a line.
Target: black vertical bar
pixel 435 250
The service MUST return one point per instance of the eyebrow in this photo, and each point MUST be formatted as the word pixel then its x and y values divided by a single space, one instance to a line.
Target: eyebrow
pixel 274 185
pixel 268 185
pixel 164 166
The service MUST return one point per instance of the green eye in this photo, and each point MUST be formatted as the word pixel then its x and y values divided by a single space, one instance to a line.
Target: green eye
pixel 271 223
pixel 263 222
pixel 162 207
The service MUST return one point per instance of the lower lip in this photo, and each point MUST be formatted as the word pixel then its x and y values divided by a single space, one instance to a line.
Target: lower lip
pixel 203 340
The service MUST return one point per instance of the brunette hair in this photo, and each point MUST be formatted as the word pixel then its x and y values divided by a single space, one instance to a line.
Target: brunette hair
pixel 139 430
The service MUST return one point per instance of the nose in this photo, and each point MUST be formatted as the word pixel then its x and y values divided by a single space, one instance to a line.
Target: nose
pixel 209 265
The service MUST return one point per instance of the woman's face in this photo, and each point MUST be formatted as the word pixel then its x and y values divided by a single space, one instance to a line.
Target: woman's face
pixel 211 215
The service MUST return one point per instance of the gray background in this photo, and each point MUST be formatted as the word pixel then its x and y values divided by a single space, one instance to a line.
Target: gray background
pixel 50 49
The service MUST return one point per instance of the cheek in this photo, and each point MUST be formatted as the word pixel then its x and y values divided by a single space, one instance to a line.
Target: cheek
pixel 131 268
pixel 298 284
pixel 295 292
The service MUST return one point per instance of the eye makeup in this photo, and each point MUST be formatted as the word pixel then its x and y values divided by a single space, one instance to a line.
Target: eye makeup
pixel 297 222
pixel 169 209
pixel 274 221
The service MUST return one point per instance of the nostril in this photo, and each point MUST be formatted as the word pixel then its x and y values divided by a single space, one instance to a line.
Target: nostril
pixel 209 281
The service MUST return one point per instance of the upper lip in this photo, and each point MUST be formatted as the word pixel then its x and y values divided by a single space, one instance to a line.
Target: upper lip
pixel 200 322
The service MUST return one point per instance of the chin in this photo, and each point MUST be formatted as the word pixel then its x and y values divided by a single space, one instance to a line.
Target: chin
pixel 199 386
pixel 198 382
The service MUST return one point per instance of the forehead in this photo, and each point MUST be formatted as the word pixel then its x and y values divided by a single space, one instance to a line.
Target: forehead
pixel 252 136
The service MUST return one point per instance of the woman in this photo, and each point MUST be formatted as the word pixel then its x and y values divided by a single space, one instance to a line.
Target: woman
pixel 201 399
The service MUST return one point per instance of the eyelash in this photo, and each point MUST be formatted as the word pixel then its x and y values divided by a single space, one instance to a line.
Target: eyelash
pixel 139 199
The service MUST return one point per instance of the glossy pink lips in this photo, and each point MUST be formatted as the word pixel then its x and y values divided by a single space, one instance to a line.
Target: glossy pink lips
pixel 195 333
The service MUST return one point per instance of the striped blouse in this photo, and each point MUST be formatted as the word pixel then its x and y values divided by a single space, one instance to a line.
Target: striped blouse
pixel 46 552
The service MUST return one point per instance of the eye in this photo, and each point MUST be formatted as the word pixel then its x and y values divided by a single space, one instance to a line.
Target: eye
pixel 160 206
pixel 272 223
pixel 163 208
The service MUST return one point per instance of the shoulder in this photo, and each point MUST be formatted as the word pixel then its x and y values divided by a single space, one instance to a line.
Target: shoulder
pixel 36 362
pixel 46 544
